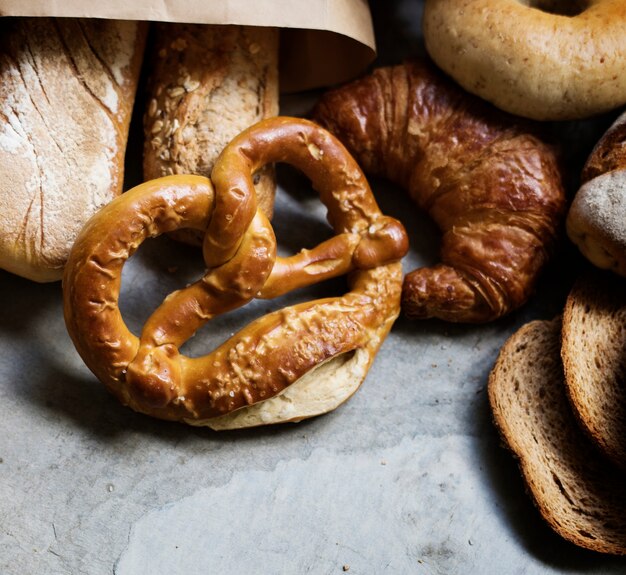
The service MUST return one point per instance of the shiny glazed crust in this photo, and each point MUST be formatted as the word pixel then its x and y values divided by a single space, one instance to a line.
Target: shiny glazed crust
pixel 488 181
pixel 148 373
pixel 531 61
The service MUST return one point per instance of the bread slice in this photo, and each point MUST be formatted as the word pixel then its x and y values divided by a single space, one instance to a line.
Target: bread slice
pixel 577 491
pixel 594 359
pixel 67 88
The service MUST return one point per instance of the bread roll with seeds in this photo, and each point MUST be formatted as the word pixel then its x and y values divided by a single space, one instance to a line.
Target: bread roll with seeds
pixel 207 84
pixel 67 88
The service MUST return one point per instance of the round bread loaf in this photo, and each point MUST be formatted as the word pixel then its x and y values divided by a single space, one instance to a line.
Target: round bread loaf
pixel 596 221
pixel 543 59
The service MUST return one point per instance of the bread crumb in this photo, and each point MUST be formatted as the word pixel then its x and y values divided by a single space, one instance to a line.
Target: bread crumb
pixel 346 568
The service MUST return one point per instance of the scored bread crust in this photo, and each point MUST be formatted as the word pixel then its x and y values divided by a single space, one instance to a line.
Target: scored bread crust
pixel 66 94
pixel 579 493
pixel 207 84
pixel 530 61
pixel 593 344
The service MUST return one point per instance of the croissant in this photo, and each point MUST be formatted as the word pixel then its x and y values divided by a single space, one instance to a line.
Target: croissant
pixel 487 179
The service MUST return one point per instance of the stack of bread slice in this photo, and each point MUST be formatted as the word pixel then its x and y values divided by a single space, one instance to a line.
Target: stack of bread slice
pixel 558 397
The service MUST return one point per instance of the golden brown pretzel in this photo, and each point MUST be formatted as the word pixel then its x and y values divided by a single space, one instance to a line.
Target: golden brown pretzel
pixel 489 182
pixel 148 373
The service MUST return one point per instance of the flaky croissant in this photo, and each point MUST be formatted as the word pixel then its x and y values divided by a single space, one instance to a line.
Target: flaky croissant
pixel 490 183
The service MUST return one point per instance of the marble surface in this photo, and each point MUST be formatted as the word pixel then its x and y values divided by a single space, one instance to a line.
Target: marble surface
pixel 407 477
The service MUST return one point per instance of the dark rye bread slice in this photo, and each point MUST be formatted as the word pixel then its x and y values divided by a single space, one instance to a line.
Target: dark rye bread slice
pixel 578 492
pixel 594 359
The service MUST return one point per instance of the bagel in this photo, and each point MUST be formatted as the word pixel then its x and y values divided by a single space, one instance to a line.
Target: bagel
pixel 490 183
pixel 542 59
pixel 596 221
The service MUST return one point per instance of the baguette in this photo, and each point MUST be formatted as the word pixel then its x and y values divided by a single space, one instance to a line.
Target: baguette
pixel 67 88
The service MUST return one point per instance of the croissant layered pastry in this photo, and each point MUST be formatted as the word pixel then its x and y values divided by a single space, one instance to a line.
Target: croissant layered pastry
pixel 489 181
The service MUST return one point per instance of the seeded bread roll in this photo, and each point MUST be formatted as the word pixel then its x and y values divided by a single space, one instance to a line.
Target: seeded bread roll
pixel 207 84
pixel 579 493
pixel 67 88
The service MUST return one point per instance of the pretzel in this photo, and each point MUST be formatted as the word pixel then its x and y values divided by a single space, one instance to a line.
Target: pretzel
pixel 148 373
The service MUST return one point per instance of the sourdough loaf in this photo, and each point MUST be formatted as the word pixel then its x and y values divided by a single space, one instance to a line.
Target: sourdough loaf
pixel 578 492
pixel 207 84
pixel 67 88
pixel 596 221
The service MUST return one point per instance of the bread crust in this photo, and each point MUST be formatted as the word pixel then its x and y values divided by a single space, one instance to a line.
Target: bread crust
pixel 207 83
pixel 488 180
pixel 66 94
pixel 593 343
pixel 596 220
pixel 578 493
pixel 532 62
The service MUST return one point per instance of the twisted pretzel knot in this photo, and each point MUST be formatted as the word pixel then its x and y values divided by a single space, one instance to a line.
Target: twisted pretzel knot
pixel 148 373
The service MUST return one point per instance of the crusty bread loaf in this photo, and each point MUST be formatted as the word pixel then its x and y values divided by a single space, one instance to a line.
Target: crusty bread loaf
pixel 594 359
pixel 579 493
pixel 67 88
pixel 596 221
pixel 207 84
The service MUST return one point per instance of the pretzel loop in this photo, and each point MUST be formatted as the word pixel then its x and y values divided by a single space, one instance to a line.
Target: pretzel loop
pixel 148 372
